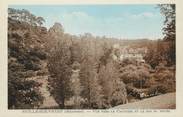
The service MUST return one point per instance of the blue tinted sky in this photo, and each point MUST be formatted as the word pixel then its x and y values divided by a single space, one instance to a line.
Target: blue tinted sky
pixel 121 21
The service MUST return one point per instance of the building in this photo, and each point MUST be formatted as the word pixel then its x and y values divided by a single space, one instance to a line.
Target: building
pixel 126 52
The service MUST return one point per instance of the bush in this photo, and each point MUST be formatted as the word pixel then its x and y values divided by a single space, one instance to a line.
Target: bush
pixel 166 77
pixel 135 74
pixel 120 94
pixel 161 88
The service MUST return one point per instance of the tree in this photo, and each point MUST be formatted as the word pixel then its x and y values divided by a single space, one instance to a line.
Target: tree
pixel 59 66
pixel 88 74
pixel 168 10
pixel 76 85
pixel 155 54
pixel 113 88
pixel 89 82
pixel 96 98
pixel 76 52
pixel 40 20
pixel 25 16
pixel 57 29
pixel 55 36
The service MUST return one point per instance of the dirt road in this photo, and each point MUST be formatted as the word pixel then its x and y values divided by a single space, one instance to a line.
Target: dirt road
pixel 165 101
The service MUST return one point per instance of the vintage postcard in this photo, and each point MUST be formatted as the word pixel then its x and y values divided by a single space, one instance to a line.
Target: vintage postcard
pixel 99 58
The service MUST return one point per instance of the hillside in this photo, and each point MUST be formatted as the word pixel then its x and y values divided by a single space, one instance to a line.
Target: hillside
pixel 26 58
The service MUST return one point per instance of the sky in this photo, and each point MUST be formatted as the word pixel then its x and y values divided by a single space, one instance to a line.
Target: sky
pixel 119 21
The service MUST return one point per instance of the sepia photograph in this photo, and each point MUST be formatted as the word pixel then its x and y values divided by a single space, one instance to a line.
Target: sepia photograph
pixel 95 56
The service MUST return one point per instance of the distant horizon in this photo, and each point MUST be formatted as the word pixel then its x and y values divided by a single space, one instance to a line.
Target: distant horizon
pixel 131 22
pixel 117 38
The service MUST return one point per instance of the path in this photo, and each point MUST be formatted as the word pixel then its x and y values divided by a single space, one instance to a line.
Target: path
pixel 165 101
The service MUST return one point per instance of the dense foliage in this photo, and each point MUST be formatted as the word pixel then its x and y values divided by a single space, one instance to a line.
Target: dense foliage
pixel 24 59
pixel 82 71
pixel 164 51
pixel 76 63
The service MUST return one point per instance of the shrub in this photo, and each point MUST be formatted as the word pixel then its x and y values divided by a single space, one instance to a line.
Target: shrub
pixel 135 74
pixel 161 88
